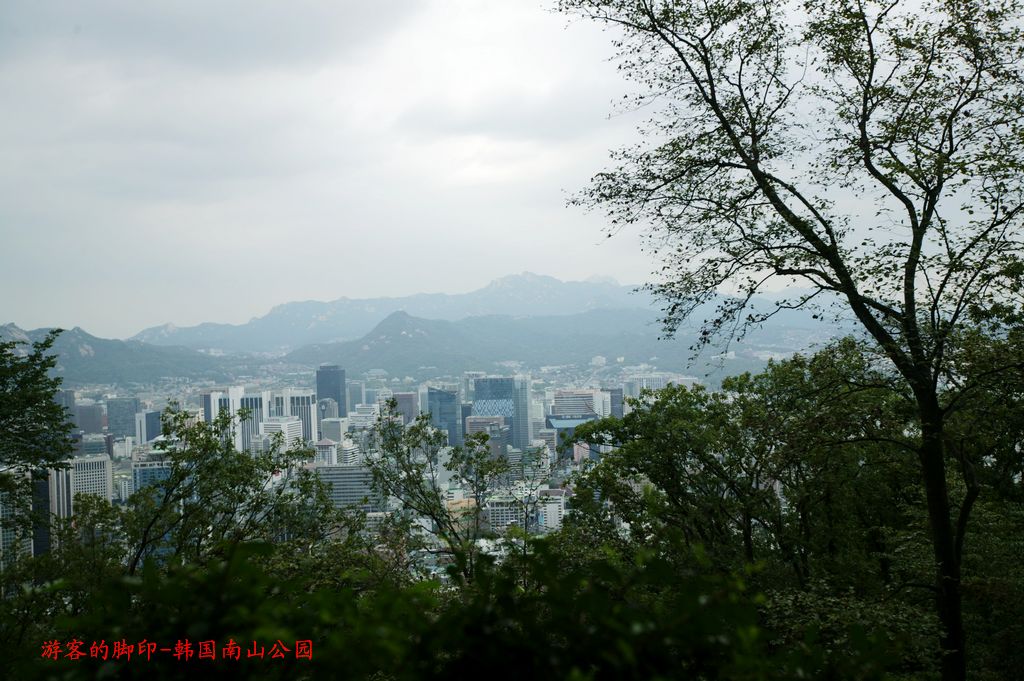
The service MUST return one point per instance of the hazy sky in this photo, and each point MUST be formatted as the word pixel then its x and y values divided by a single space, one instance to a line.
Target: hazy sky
pixel 192 161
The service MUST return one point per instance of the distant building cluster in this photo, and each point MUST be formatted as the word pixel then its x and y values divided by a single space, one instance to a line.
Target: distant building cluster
pixel 120 447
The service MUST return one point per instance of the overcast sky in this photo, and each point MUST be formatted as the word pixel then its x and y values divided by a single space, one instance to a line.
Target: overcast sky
pixel 192 161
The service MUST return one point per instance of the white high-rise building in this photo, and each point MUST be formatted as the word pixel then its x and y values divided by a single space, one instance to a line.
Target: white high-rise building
pixel 551 509
pixel 86 475
pixel 217 401
pixel 350 486
pixel 581 403
pixel 502 510
pixel 300 403
pixel 148 426
pixel 289 426
pixel 349 453
pixel 257 405
pixel 365 416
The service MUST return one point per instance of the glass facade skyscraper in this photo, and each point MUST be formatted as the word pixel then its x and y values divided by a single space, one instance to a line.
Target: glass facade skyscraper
pixel 507 397
pixel 121 413
pixel 446 413
pixel 330 383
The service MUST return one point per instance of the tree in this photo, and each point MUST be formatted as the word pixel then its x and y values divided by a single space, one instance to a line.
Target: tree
pixel 34 429
pixel 799 470
pixel 409 467
pixel 215 496
pixel 767 109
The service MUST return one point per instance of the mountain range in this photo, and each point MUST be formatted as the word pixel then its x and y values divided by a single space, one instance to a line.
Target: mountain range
pixel 84 358
pixel 405 345
pixel 292 325
pixel 543 321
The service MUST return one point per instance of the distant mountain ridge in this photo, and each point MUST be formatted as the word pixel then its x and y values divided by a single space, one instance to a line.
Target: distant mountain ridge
pixel 84 358
pixel 523 318
pixel 404 345
pixel 293 325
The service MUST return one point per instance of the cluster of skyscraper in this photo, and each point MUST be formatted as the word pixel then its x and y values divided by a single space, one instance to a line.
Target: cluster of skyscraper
pixel 334 420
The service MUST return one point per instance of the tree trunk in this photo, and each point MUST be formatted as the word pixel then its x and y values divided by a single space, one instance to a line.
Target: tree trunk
pixel 947 593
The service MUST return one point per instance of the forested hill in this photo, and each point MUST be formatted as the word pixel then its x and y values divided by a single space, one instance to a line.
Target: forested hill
pixel 406 345
pixel 84 358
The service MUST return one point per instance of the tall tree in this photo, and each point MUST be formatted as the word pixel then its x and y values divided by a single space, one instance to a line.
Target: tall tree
pixel 410 468
pixel 872 152
pixel 215 496
pixel 34 429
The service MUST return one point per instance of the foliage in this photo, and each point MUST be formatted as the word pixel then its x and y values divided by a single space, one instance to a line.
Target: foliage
pixel 767 109
pixel 34 429
pixel 215 495
pixel 802 470
pixel 411 467
pixel 642 620
pixel 772 530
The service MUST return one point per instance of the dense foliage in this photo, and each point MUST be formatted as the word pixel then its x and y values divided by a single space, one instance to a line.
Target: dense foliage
pixel 770 530
pixel 870 152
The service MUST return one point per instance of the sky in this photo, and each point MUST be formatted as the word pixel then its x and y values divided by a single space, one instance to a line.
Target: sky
pixel 191 161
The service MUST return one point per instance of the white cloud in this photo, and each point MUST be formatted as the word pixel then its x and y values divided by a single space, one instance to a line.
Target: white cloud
pixel 192 162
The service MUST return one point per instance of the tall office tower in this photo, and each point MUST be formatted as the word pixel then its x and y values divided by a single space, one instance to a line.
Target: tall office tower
pixel 588 402
pixel 408 406
pixel 446 413
pixel 92 444
pixel 356 394
pixel 503 510
pixel 522 431
pixel 150 471
pixel 508 397
pixel 498 434
pixel 467 411
pixel 536 424
pixel 301 403
pixel 365 416
pixel 551 509
pixel 290 428
pixel 215 402
pixel 86 475
pixel 41 512
pixel 66 399
pixel 468 387
pixel 122 487
pixel 89 417
pixel 257 404
pixel 13 543
pixel 121 413
pixel 147 426
pixel 370 396
pixel 617 403
pixel 350 486
pixel 330 384
pixel 550 438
